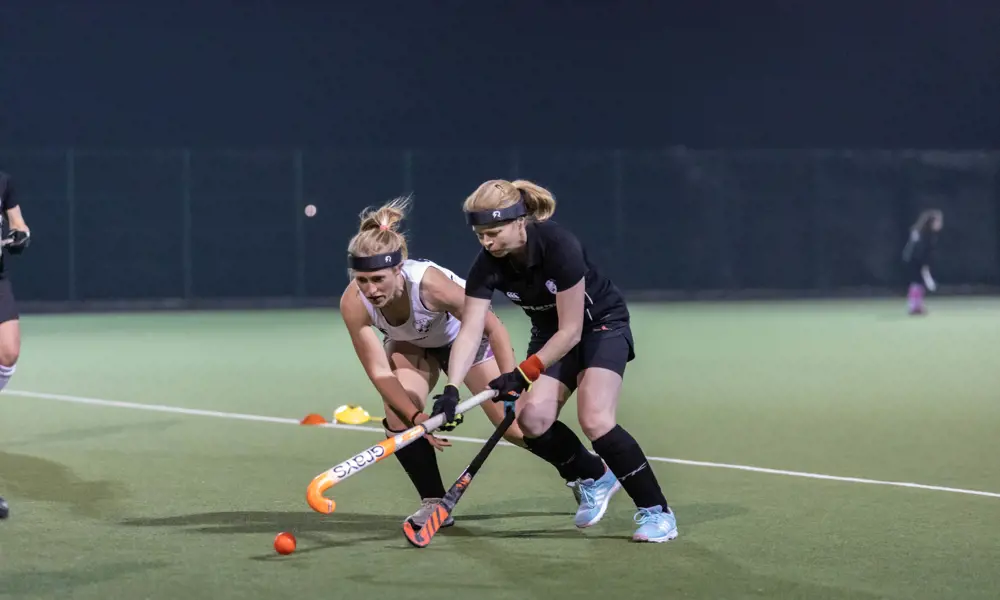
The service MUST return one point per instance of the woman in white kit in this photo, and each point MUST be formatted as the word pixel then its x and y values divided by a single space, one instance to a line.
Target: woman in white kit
pixel 417 305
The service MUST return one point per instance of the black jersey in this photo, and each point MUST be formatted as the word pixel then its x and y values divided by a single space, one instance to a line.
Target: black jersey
pixel 920 249
pixel 556 261
pixel 7 202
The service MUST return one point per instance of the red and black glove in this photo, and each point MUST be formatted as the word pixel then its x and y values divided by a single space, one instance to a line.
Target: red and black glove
pixel 511 385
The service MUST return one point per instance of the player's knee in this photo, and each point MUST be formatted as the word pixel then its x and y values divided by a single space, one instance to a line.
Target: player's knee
pixel 596 423
pixel 514 435
pixel 534 423
pixel 9 355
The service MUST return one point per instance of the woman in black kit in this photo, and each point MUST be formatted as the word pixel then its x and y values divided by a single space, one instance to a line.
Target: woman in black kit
pixel 14 241
pixel 580 339
pixel 919 256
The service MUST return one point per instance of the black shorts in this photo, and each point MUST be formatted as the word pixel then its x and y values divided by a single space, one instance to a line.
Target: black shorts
pixel 441 354
pixel 607 346
pixel 8 307
pixel 914 272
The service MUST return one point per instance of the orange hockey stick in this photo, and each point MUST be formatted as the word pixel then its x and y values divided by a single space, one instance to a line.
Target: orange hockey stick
pixel 380 451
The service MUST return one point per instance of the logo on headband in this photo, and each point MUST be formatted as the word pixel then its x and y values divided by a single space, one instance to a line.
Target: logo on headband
pixel 388 259
pixel 496 214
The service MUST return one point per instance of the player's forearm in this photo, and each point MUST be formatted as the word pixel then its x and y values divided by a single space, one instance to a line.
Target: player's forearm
pixel 499 340
pixel 15 219
pixel 503 350
pixel 463 353
pixel 558 346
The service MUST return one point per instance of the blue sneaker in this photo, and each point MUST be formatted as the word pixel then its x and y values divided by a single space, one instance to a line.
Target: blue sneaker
pixel 575 486
pixel 594 497
pixel 655 525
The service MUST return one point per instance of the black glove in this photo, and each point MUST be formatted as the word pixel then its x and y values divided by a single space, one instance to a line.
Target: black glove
pixel 16 241
pixel 445 404
pixel 510 386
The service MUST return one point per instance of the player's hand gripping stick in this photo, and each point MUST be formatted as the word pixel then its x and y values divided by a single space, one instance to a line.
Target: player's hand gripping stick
pixel 380 451
pixel 510 386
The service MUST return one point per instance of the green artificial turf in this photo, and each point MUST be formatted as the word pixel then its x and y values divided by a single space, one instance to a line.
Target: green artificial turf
pixel 119 502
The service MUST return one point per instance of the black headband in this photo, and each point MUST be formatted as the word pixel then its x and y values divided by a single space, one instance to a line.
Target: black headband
pixel 376 262
pixel 489 217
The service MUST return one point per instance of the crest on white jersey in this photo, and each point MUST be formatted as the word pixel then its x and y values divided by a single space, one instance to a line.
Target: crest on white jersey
pixel 422 325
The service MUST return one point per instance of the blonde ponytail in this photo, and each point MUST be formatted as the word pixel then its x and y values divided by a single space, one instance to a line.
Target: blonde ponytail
pixel 499 194
pixel 379 230
pixel 539 201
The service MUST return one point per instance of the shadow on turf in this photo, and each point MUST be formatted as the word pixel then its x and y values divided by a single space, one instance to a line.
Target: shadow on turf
pixel 308 526
pixel 900 316
pixel 689 516
pixel 684 567
pixel 41 479
pixel 299 521
pixel 57 583
pixel 362 528
pixel 681 568
pixel 81 434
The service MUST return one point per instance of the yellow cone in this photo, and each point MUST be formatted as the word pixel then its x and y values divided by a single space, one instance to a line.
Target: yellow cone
pixel 351 414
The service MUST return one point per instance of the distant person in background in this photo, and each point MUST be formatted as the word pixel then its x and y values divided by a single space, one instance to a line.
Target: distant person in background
pixel 919 256
pixel 14 241
pixel 16 236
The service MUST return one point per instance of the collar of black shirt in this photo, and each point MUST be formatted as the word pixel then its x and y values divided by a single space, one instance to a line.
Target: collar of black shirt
pixel 534 243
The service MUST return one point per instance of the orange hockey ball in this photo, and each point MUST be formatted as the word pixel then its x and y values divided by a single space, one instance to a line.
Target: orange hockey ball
pixel 284 543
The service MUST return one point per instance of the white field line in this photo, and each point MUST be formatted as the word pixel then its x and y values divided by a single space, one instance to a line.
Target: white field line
pixel 288 421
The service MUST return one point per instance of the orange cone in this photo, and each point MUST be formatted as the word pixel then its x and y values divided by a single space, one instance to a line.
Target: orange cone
pixel 312 419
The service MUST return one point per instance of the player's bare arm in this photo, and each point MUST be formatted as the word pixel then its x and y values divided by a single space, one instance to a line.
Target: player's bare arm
pixel 372 356
pixel 570 306
pixel 463 350
pixel 16 219
pixel 440 293
pixel 19 236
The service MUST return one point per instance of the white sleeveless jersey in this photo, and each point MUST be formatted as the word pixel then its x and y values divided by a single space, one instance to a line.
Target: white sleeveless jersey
pixel 424 328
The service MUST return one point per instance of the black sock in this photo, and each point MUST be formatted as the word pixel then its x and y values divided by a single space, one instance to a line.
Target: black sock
pixel 420 463
pixel 560 447
pixel 626 460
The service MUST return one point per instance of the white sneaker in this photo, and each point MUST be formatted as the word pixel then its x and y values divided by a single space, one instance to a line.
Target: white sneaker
pixel 427 506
